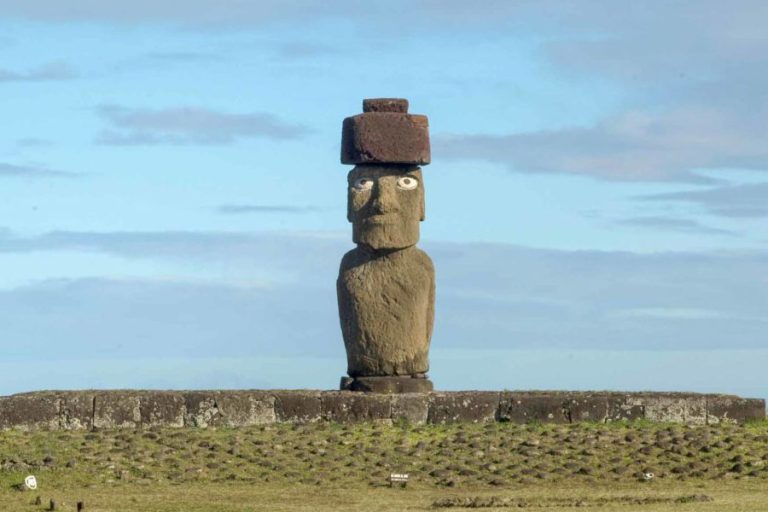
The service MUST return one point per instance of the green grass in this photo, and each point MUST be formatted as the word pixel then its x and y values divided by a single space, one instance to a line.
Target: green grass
pixel 329 466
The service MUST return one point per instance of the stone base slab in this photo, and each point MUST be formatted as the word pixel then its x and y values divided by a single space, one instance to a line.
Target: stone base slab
pixel 387 385
pixel 134 409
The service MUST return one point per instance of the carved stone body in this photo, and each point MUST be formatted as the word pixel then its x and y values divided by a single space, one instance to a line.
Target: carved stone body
pixel 386 286
pixel 386 306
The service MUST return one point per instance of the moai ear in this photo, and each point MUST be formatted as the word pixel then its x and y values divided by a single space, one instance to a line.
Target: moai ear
pixel 349 196
pixel 422 205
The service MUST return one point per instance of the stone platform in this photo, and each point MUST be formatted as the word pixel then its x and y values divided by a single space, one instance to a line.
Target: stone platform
pixel 387 384
pixel 80 410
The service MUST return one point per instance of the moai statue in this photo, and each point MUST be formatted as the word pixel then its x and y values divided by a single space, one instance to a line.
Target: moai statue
pixel 386 285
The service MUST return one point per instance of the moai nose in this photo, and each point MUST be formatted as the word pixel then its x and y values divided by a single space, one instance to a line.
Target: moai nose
pixel 384 197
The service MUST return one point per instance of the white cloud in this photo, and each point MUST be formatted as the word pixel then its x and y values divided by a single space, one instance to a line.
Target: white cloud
pixel 190 125
pixel 49 72
pixel 666 223
pixel 746 200
pixel 490 296
pixel 31 171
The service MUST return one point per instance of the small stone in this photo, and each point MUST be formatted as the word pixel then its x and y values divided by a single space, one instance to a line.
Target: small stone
pixel 385 105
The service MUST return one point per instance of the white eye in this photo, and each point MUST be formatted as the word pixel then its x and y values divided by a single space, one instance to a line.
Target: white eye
pixel 407 183
pixel 363 184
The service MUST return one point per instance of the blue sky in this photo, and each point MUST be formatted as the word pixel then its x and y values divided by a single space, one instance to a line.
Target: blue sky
pixel 174 205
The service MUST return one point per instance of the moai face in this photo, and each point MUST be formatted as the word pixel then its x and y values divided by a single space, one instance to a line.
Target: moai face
pixel 385 205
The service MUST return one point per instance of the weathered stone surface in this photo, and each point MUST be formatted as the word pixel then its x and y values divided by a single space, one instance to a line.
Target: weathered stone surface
pixel 298 406
pixel 117 409
pixel 135 409
pixel 390 385
pixel 76 410
pixel 239 409
pixel 201 409
pixel 385 136
pixel 587 407
pixel 620 408
pixel 526 407
pixel 162 409
pixel 386 286
pixel 351 407
pixel 229 408
pixel 386 308
pixel 732 409
pixel 686 408
pixel 411 407
pixel 464 407
pixel 385 105
pixel 33 411
pixel 385 205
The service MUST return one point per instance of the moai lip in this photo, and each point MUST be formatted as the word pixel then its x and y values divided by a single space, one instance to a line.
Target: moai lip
pixel 385 133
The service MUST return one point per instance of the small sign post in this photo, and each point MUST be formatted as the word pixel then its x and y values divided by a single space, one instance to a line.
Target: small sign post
pixel 30 482
pixel 398 478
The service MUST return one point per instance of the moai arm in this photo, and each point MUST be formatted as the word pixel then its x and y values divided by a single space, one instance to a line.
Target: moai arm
pixel 431 311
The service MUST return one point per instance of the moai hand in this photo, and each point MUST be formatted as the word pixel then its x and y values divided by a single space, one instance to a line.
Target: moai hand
pixel 386 286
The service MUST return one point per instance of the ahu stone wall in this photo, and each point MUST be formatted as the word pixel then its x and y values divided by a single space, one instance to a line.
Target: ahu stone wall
pixel 86 410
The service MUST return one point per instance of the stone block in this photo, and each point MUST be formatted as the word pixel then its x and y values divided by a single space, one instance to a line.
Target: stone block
pixel 587 407
pixel 33 411
pixel 201 409
pixel 244 408
pixel 385 137
pixel 521 407
pixel 298 406
pixel 353 407
pixel 732 409
pixel 386 105
pixel 162 409
pixel 390 385
pixel 116 409
pixel 76 410
pixel 688 408
pixel 411 407
pixel 619 408
pixel 463 407
pixel 229 408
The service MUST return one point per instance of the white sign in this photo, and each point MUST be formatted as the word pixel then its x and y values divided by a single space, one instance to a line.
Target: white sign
pixel 401 478
pixel 31 482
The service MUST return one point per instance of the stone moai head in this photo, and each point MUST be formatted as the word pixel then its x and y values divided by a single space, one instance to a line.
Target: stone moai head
pixel 385 201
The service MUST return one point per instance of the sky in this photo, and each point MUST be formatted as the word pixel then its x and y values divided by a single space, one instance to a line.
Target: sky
pixel 174 209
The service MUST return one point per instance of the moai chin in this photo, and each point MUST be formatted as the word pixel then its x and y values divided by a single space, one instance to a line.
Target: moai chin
pixel 386 285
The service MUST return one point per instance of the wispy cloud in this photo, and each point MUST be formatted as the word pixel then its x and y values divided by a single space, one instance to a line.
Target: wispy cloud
pixel 674 224
pixel 49 72
pixel 33 142
pixel 497 296
pixel 27 171
pixel 94 318
pixel 237 209
pixel 634 146
pixel 694 88
pixel 746 200
pixel 192 12
pixel 190 125
pixel 181 56
pixel 302 50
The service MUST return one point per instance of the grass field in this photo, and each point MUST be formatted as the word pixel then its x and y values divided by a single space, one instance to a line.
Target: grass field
pixel 324 466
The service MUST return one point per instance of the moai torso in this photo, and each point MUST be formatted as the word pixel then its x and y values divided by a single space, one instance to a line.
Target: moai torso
pixel 386 303
pixel 386 285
